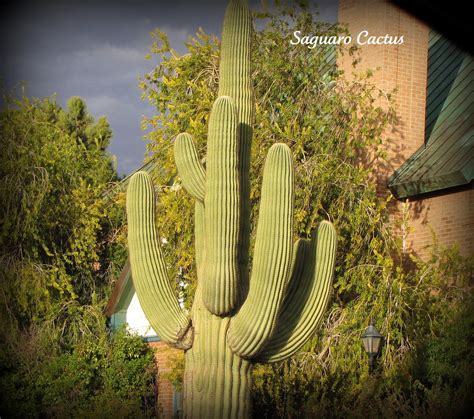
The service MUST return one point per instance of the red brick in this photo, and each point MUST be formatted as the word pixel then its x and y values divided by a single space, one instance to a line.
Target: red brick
pixel 163 356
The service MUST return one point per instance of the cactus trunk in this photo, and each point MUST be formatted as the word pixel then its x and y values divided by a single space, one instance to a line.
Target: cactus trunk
pixel 237 318
pixel 217 382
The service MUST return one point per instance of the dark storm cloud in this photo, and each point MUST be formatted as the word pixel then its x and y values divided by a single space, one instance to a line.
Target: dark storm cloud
pixel 95 49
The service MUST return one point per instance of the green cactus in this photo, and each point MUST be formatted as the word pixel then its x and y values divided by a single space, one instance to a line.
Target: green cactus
pixel 235 321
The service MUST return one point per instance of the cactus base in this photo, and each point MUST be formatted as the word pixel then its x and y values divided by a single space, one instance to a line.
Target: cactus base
pixel 217 382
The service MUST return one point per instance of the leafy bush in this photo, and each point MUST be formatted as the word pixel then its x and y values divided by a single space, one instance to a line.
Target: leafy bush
pixel 100 377
pixel 425 372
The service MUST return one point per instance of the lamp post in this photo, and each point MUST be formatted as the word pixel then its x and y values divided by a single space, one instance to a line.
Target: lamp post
pixel 372 340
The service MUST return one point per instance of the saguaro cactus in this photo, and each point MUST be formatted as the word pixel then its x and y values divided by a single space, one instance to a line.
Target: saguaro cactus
pixel 234 321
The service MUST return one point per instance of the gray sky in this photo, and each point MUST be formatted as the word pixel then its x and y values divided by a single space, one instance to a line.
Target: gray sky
pixel 95 49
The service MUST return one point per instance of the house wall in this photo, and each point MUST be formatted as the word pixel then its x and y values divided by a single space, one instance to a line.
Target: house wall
pixel 164 356
pixel 450 216
pixel 136 319
pixel 404 67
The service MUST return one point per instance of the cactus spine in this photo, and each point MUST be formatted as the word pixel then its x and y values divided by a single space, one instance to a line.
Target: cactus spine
pixel 234 321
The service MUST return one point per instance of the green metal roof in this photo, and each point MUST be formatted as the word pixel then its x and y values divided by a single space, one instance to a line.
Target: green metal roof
pixel 122 293
pixel 446 159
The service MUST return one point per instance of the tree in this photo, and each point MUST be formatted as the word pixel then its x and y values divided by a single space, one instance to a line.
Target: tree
pixel 60 249
pixel 54 216
pixel 79 124
pixel 334 129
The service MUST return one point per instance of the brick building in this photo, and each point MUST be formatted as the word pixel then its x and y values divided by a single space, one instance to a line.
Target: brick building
pixel 431 152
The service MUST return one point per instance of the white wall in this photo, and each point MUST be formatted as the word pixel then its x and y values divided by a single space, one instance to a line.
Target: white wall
pixel 136 319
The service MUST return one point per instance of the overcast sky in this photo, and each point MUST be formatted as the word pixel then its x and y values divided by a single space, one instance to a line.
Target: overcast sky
pixel 95 49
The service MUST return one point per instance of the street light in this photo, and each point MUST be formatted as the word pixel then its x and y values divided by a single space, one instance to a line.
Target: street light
pixel 372 340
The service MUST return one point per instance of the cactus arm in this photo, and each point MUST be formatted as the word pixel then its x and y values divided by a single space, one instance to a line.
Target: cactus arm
pixel 199 232
pixel 150 278
pixel 235 80
pixel 193 175
pixel 190 168
pixel 222 210
pixel 253 325
pixel 307 297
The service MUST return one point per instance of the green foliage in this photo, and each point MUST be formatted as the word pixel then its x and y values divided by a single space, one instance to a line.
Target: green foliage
pixel 334 128
pixel 61 245
pixel 102 376
pixel 56 224
pixel 79 124
pixel 426 362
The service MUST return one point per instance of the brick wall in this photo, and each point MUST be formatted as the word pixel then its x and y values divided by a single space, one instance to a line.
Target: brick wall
pixel 450 216
pixel 163 355
pixel 404 67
